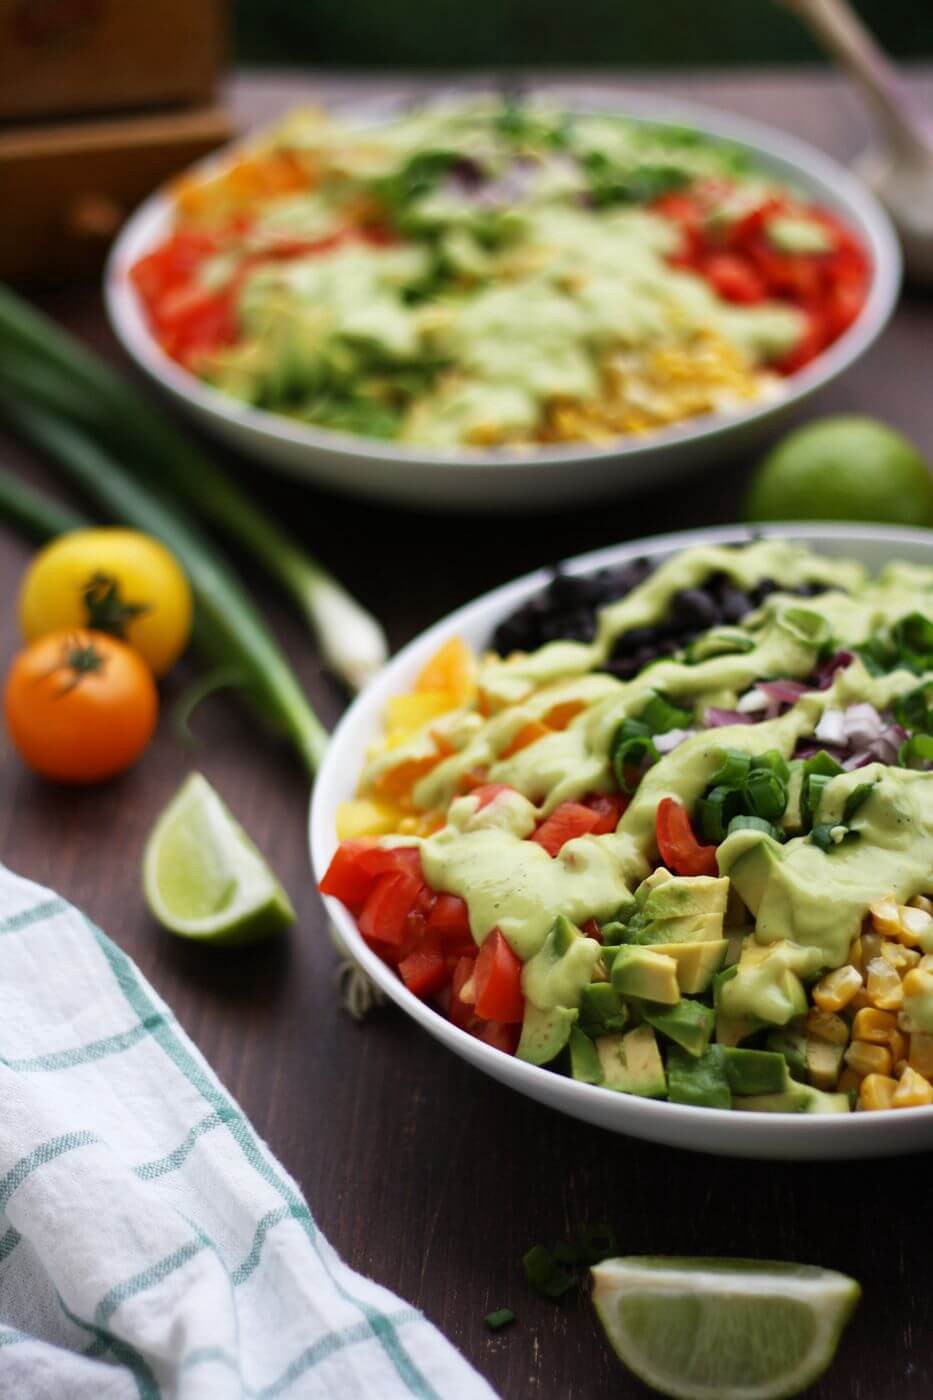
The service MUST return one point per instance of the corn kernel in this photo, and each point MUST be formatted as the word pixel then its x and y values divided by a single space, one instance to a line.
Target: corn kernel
pixel 912 1090
pixel 920 901
pixel 824 1061
pixel 865 1058
pixel 883 985
pixel 855 954
pixel 824 1025
pixel 897 1044
pixel 874 1026
pixel 849 1082
pixel 900 956
pixel 871 946
pixel 885 916
pixel 899 1067
pixel 859 1002
pixel 926 963
pixel 920 1053
pixel 916 926
pixel 837 988
pixel 877 1091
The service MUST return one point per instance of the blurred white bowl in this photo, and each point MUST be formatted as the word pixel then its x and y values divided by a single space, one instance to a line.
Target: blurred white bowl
pixel 542 476
pixel 727 1133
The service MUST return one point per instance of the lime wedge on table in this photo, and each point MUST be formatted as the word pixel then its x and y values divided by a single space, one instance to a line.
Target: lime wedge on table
pixel 723 1329
pixel 203 877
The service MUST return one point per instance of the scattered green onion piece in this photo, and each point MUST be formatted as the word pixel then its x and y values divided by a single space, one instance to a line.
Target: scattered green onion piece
pixel 545 1274
pixel 500 1318
pixel 823 764
pixel 715 811
pixel 826 835
pixel 916 751
pixel 807 626
pixel 914 711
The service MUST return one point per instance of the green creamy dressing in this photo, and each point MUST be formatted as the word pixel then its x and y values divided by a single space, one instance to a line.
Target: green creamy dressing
pixel 813 898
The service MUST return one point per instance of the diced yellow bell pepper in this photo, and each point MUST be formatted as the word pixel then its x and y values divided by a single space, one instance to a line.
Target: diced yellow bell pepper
pixel 453 668
pixel 406 714
pixel 363 817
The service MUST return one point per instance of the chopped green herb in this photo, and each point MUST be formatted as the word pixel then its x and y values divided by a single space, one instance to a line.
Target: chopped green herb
pixel 545 1274
pixel 498 1319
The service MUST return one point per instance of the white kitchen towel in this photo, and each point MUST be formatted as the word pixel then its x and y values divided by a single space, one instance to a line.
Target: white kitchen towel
pixel 150 1244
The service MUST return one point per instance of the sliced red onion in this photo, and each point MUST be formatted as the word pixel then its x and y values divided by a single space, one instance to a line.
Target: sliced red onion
pixel 862 725
pixel 788 692
pixel 715 718
pixel 827 671
pixel 831 728
pixel 858 760
pixel 665 743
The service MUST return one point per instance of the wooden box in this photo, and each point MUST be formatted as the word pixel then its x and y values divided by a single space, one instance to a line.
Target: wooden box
pixel 61 57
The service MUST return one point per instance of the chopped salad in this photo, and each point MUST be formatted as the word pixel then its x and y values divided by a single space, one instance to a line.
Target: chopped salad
pixel 497 273
pixel 673 833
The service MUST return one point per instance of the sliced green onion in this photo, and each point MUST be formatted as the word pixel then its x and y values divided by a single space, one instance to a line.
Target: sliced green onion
pixel 916 751
pixel 827 835
pixel 733 769
pixel 824 764
pixel 773 760
pixel 807 626
pixel 747 823
pixel 715 811
pixel 766 794
pixel 855 799
pixel 659 715
pixel 914 711
pixel 500 1318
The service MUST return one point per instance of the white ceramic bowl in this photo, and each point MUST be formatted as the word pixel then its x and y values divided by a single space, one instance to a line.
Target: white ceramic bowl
pixel 704 1129
pixel 543 476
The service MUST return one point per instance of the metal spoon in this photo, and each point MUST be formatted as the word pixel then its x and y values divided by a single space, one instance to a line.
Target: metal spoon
pixel 898 165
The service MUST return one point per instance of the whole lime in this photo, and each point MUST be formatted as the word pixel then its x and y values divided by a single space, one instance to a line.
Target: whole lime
pixel 845 468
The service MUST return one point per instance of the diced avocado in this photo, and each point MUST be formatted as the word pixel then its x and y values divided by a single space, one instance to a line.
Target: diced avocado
pixel 584 1061
pixel 795 1098
pixel 601 1009
pixel 632 1064
pixel 791 1042
pixel 754 1071
pixel 683 896
pixel 545 1033
pixel 614 933
pixel 689 1024
pixel 792 821
pixel 642 972
pixel 700 1081
pixel 651 883
pixel 735 937
pixel 824 1063
pixel 696 962
pixel 730 1030
pixel 917 1011
pixel 752 869
pixel 689 928
pixel 793 234
pixel 766 986
pixel 561 968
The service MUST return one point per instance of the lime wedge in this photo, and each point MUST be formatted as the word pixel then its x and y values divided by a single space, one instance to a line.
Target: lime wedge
pixel 203 877
pixel 723 1329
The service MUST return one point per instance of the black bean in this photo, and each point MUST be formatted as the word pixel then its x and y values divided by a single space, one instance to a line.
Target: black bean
pixel 695 607
pixel 734 603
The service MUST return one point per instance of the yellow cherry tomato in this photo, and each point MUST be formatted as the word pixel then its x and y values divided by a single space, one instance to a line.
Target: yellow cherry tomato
pixel 112 580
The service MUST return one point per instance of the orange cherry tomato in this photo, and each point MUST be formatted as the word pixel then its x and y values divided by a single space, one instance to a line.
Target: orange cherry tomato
pixel 80 706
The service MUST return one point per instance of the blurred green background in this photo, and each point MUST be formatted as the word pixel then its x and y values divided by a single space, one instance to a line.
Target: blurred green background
pixel 487 33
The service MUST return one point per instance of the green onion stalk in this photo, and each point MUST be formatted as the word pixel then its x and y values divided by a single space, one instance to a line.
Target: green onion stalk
pixel 43 366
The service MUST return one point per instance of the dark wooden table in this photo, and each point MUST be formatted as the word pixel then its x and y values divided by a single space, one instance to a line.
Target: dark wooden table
pixel 422 1172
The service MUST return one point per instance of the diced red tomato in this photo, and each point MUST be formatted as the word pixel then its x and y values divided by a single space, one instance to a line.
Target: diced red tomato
pixel 461 1012
pixel 387 908
pixel 345 877
pixel 734 279
pixel 609 807
pixel 499 981
pixel 680 850
pixel 567 821
pixel 499 1036
pixel 449 918
pixel 425 970
pixel 592 930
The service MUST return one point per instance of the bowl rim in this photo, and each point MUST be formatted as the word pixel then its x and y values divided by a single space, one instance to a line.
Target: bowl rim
pixel 828 179
pixel 642 1117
